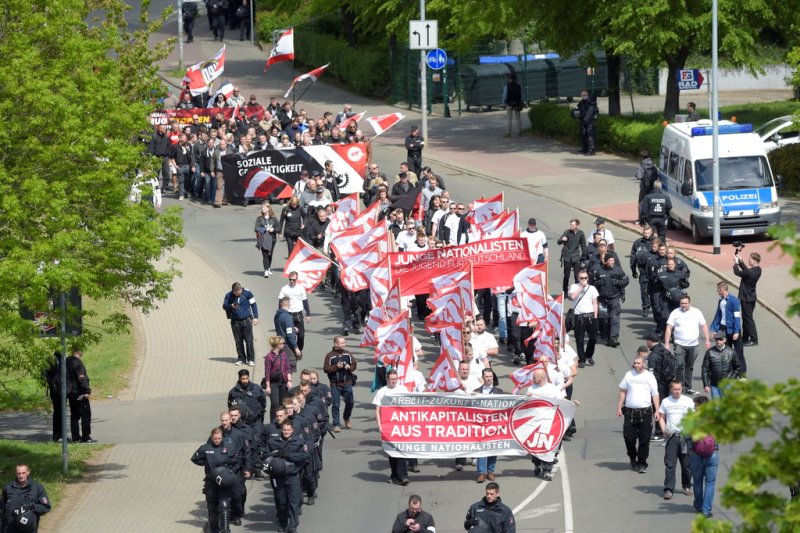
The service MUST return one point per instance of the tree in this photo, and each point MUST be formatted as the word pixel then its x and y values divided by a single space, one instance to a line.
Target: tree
pixel 75 92
pixel 664 31
pixel 772 415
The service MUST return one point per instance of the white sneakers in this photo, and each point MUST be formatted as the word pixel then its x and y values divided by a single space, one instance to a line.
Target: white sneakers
pixel 267 273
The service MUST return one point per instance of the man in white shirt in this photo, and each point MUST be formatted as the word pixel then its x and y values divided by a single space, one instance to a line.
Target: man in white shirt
pixel 638 392
pixel 298 306
pixel 684 323
pixel 584 297
pixel 673 409
pixel 605 234
pixel 537 242
pixel 408 236
pixel 542 388
pixel 398 465
pixel 476 365
pixel 483 342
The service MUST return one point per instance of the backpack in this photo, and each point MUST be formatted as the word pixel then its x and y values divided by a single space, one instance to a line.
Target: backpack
pixel 705 447
pixel 668 367
pixel 52 377
pixel 649 178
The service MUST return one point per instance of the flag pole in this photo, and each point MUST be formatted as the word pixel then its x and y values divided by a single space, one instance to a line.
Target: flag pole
pixel 301 94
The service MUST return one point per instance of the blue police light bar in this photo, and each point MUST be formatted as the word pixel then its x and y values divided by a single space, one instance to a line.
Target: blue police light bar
pixel 486 60
pixel 725 129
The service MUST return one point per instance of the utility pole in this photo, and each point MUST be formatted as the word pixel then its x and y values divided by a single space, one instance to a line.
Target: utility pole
pixel 423 90
pixel 715 128
pixel 180 34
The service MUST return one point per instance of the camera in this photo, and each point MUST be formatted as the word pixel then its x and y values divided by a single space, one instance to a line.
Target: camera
pixel 738 246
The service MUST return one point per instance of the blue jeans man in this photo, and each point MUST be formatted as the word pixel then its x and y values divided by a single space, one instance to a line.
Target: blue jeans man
pixel 704 472
pixel 486 466
pixel 337 393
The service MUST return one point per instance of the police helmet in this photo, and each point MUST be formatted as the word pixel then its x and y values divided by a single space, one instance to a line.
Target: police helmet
pixel 274 466
pixel 24 522
pixel 224 477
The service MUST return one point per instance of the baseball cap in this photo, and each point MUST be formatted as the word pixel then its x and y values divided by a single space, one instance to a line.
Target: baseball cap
pixel 531 221
pixel 315 173
pixel 600 220
pixel 719 335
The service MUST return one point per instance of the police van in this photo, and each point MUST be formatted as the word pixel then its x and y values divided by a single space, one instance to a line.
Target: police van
pixel 747 192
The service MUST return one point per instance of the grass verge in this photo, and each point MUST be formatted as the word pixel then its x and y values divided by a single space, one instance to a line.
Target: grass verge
pixel 44 460
pixel 109 364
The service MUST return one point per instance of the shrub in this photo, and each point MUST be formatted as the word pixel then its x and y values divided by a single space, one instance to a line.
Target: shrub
pixel 785 161
pixel 270 21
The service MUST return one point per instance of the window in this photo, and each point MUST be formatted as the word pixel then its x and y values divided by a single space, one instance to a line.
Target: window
pixel 673 165
pixel 749 172
pixel 664 158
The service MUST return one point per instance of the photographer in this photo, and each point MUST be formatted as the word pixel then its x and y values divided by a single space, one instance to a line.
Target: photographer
pixel 241 309
pixel 414 518
pixel 339 365
pixel 23 502
pixel 750 275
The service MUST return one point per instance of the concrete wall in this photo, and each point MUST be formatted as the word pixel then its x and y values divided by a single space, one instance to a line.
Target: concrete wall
pixel 775 77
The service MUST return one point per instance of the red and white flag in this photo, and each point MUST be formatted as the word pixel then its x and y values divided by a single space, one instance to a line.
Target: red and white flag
pixel 530 288
pixel 444 375
pixel 392 303
pixel 355 118
pixel 342 243
pixel 523 377
pixel 555 313
pixel 394 339
pixel 369 216
pixel 200 75
pixel 452 340
pixel 546 344
pixel 441 283
pixel 382 123
pixel 283 49
pixel 345 214
pixel 312 75
pixel 483 209
pixel 260 183
pixel 380 281
pixel 355 268
pixel 310 265
pixel 446 309
pixel 225 90
pixel 502 225
pixel 380 314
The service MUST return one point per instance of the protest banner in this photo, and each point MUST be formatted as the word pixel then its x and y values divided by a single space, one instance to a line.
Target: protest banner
pixel 205 115
pixel 445 426
pixel 349 162
pixel 494 262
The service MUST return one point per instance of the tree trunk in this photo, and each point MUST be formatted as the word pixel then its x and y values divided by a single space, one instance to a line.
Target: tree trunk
pixel 349 25
pixel 674 63
pixel 613 63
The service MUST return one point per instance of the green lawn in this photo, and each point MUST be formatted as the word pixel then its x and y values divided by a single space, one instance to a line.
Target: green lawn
pixel 44 459
pixel 109 364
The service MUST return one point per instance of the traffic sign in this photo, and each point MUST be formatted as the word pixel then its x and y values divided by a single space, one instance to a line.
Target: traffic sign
pixel 423 34
pixel 436 59
pixel 689 79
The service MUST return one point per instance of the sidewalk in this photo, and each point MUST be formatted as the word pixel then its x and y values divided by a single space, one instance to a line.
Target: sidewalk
pixel 472 145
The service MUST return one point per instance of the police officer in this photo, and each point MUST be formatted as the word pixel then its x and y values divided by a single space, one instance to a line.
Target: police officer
pixel 312 428
pixel 222 462
pixel 241 309
pixel 587 114
pixel 235 439
pixel 322 394
pixel 414 145
pixel 251 398
pixel 655 208
pixel 490 513
pixel 640 251
pixel 655 264
pixel 22 504
pixel 610 283
pixel 248 437
pixel 78 391
pixel 293 453
pixel 52 379
pixel 663 365
pixel 672 283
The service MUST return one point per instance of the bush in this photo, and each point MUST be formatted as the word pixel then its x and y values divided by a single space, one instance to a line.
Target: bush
pixel 785 161
pixel 622 135
pixel 270 21
pixel 365 69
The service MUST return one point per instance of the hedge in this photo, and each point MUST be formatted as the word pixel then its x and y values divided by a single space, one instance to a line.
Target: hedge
pixel 785 161
pixel 628 136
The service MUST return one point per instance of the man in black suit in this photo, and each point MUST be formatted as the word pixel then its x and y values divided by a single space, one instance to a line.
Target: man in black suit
pixel 750 275
pixel 486 464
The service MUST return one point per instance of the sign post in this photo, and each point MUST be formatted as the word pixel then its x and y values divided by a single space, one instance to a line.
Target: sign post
pixel 423 35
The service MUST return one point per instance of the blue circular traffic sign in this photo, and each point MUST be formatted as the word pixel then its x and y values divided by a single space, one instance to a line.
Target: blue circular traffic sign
pixel 436 59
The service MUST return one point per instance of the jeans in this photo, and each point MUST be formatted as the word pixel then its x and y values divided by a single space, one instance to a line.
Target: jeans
pixel 337 393
pixel 210 188
pixel 486 464
pixel 685 357
pixel 716 392
pixel 184 175
pixel 502 319
pixel 673 453
pixel 704 470
pixel 511 111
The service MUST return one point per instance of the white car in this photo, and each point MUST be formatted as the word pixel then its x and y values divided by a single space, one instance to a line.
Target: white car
pixel 779 132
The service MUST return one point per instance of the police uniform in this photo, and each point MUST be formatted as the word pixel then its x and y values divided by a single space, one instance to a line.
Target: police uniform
pixel 611 283
pixel 253 402
pixel 655 264
pixel 639 253
pixel 22 507
pixel 218 489
pixel 655 208
pixel 496 516
pixel 286 487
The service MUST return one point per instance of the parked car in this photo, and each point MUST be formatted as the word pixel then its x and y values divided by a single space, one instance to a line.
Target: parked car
pixel 779 132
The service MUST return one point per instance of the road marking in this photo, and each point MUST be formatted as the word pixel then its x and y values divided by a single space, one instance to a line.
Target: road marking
pixel 537 512
pixel 538 490
pixel 568 525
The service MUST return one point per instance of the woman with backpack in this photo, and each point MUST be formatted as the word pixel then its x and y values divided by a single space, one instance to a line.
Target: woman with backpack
pixel 277 374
